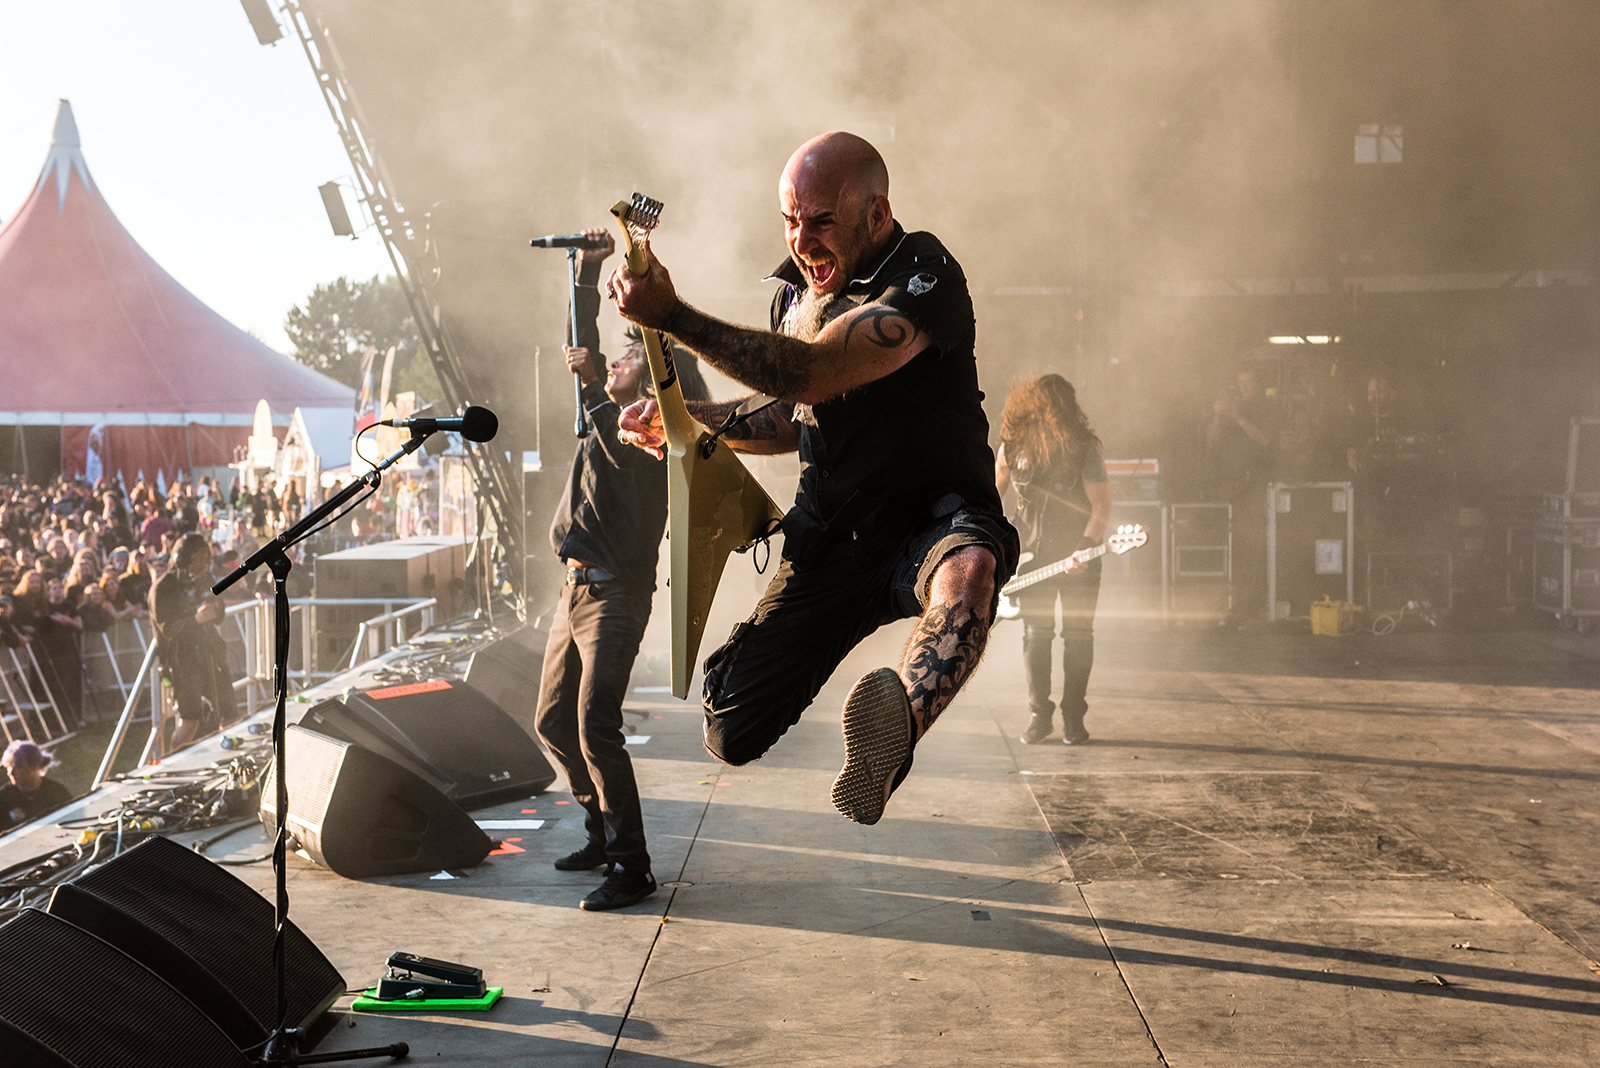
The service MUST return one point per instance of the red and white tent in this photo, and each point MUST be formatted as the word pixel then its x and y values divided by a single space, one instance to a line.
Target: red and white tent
pixel 95 336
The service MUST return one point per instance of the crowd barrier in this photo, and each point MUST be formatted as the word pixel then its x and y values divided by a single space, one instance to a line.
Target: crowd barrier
pixel 248 630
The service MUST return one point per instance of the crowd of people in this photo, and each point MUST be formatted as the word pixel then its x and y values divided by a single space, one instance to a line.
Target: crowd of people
pixel 75 558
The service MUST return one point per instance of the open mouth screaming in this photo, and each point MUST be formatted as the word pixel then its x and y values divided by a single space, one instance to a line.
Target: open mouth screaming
pixel 820 274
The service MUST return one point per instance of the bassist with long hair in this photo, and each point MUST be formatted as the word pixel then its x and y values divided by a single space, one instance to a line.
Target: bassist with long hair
pixel 1052 458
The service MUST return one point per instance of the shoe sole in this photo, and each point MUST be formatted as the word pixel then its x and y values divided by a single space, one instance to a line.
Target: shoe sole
pixel 877 741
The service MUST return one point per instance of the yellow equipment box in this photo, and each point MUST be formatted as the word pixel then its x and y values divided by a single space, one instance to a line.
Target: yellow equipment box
pixel 1329 616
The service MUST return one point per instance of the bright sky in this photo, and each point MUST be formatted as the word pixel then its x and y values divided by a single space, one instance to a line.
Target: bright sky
pixel 208 146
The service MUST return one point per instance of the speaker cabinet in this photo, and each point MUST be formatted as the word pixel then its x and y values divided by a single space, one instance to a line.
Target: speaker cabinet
pixel 360 814
pixel 509 671
pixel 71 999
pixel 203 931
pixel 447 733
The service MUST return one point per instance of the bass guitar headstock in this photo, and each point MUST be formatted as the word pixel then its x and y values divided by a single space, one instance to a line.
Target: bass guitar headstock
pixel 1128 536
pixel 637 216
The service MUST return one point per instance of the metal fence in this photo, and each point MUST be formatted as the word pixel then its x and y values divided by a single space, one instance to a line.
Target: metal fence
pixel 248 630
pixel 30 711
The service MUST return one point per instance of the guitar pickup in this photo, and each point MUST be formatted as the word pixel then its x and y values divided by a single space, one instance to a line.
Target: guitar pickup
pixel 442 979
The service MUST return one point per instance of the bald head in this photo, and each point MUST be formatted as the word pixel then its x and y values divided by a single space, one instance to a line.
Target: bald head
pixel 837 161
pixel 834 195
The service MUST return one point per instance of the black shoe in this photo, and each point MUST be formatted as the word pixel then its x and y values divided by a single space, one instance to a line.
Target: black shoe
pixel 1073 733
pixel 588 858
pixel 621 889
pixel 1038 730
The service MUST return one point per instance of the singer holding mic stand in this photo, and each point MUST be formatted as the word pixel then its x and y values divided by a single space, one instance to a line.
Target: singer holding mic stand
pixel 583 299
pixel 607 532
pixel 475 424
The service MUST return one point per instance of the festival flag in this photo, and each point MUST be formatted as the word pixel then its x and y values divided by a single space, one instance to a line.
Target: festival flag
pixel 366 411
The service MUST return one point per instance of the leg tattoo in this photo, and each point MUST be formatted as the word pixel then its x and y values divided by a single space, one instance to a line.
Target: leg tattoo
pixel 943 652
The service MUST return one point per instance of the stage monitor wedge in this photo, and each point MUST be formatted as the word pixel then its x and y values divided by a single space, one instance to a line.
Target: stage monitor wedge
pixel 448 733
pixel 205 932
pixel 360 814
pixel 72 999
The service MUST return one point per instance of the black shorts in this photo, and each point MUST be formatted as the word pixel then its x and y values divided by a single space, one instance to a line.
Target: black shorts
pixel 812 615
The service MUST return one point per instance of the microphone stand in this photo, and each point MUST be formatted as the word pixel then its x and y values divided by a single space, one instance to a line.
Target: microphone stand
pixel 282 1046
pixel 581 427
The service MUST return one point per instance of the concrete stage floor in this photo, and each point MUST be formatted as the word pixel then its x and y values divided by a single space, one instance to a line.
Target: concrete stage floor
pixel 1278 849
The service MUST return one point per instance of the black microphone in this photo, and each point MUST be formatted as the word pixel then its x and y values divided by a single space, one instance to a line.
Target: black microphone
pixel 474 424
pixel 578 241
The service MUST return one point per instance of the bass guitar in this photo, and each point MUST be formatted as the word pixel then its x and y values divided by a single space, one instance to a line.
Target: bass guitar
pixel 714 505
pixel 1128 536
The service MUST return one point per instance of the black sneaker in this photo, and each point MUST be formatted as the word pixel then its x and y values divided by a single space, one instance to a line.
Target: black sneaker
pixel 1038 730
pixel 878 737
pixel 1073 733
pixel 591 856
pixel 621 889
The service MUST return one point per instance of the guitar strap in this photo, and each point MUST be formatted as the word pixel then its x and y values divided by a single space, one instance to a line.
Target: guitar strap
pixel 752 406
pixel 1074 505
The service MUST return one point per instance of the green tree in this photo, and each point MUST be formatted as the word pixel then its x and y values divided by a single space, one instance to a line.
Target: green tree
pixel 342 318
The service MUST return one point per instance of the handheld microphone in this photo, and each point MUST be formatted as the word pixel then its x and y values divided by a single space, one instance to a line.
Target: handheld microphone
pixel 578 241
pixel 474 424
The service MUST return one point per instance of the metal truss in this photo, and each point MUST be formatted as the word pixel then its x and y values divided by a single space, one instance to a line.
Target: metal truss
pixel 416 265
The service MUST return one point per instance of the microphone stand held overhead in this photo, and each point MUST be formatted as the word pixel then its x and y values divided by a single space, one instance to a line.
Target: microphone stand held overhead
pixel 581 426
pixel 282 1046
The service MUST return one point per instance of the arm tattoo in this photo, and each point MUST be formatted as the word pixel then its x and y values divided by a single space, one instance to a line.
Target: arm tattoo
pixel 885 327
pixel 762 426
pixel 769 363
pixel 712 413
pixel 759 427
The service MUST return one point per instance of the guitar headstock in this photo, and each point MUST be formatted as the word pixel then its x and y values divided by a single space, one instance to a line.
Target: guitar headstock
pixel 1128 536
pixel 637 216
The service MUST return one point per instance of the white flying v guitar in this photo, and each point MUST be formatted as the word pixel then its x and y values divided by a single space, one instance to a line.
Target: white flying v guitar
pixel 714 505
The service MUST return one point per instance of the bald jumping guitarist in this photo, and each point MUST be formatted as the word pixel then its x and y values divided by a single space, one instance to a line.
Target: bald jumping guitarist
pixel 870 353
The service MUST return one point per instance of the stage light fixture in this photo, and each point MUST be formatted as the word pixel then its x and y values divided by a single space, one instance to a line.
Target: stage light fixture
pixel 262 20
pixel 333 201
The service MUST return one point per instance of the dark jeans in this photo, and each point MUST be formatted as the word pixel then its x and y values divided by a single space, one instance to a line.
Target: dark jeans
pixel 1078 596
pixel 594 639
pixel 202 687
pixel 774 663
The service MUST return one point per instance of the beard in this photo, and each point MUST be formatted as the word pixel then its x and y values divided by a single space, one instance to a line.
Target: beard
pixel 807 316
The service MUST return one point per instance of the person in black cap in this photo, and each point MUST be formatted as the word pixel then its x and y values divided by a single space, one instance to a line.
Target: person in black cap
pixel 607 532
pixel 29 794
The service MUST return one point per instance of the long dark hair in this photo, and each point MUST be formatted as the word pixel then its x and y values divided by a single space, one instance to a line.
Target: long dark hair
pixel 1043 422
pixel 691 381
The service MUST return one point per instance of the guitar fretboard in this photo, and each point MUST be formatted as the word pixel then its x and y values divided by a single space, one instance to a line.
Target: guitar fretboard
pixel 1022 582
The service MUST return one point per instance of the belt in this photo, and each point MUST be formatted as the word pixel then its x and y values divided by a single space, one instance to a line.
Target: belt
pixel 583 576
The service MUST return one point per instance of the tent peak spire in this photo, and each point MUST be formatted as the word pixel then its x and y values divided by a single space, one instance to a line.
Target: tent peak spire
pixel 66 128
pixel 66 156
